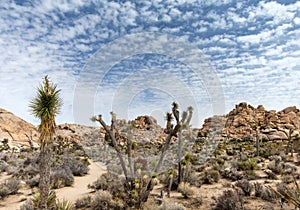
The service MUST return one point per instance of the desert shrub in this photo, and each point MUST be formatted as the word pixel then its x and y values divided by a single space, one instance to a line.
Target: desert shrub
pixel 287 179
pixel 3 165
pixel 232 174
pixel 4 192
pixel 265 193
pixel 13 185
pixel 211 176
pixel 77 167
pixel 171 206
pixel 9 187
pixel 245 185
pixel 186 190
pixel 249 164
pixel 84 202
pixel 61 177
pixel 28 205
pixel 33 182
pixel 229 200
pixel 275 167
pixel 194 179
pixel 104 200
pixel 110 182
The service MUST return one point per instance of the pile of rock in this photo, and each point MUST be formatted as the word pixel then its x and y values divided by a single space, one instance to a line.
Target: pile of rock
pixel 16 131
pixel 212 125
pixel 243 121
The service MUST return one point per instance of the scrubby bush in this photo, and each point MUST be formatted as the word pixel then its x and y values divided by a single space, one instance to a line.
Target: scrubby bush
pixel 211 176
pixel 171 206
pixel 61 177
pixel 110 182
pixel 78 168
pixel 9 187
pixel 84 202
pixel 245 185
pixel 264 193
pixel 186 190
pixel 276 167
pixel 249 164
pixel 229 200
pixel 104 200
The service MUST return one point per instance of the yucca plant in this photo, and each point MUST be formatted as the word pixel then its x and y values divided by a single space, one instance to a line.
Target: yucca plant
pixel 64 205
pixel 45 106
pixel 50 202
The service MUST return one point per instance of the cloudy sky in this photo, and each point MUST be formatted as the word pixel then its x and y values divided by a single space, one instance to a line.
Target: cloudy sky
pixel 136 57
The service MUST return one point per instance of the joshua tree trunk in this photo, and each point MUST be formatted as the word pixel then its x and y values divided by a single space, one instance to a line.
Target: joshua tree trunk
pixel 179 156
pixel 44 182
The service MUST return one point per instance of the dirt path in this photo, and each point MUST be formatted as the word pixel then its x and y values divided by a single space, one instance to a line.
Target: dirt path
pixel 71 194
pixel 79 187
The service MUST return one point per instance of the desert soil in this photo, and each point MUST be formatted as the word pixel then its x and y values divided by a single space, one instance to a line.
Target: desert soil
pixel 71 194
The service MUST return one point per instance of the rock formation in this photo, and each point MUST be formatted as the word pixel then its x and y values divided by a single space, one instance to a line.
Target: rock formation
pixel 17 131
pixel 243 121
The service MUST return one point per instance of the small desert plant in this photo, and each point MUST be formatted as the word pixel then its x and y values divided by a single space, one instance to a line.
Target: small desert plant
pixel 171 206
pixel 84 202
pixel 245 185
pixel 64 205
pixel 104 200
pixel 51 200
pixel 77 167
pixel 263 192
pixel 229 200
pixel 9 187
pixel 211 176
pixel 186 190
pixel 249 164
pixel 276 167
pixel 61 177
pixel 28 205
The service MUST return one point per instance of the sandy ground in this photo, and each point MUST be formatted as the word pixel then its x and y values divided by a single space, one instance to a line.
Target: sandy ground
pixel 78 189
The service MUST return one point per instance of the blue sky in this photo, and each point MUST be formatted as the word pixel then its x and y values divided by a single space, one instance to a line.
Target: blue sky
pixel 252 47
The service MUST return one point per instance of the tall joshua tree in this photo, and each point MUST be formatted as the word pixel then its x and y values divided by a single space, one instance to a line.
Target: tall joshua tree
pixel 45 106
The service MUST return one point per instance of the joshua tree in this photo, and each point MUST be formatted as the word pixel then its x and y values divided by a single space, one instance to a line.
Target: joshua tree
pixel 45 106
pixel 129 176
pixel 175 111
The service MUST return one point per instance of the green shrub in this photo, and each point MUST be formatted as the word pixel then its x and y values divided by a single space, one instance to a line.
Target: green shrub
pixel 249 164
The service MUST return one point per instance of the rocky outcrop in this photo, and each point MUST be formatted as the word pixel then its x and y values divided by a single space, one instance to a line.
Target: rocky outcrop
pixel 243 121
pixel 212 125
pixel 17 131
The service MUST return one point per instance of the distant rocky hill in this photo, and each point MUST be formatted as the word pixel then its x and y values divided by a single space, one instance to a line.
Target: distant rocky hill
pixel 18 132
pixel 241 122
pixel 237 124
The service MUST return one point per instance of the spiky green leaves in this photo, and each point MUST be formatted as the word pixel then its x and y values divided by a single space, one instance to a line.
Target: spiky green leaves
pixel 47 103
